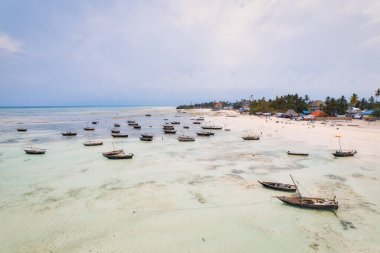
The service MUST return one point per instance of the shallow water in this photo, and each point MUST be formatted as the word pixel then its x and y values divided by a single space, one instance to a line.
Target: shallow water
pixel 180 197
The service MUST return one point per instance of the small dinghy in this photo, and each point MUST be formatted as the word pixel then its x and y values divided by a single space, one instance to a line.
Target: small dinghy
pixel 251 138
pixel 94 122
pixel 119 135
pixel 35 151
pixel 175 122
pixel 186 127
pixel 21 129
pixel 279 186
pixel 196 122
pixel 170 131
pixel 120 156
pixel 113 152
pixel 297 153
pixel 148 115
pixel 93 143
pixel 137 127
pixel 184 138
pixel 69 133
pixel 89 129
pixel 115 131
pixel 116 125
pixel 212 127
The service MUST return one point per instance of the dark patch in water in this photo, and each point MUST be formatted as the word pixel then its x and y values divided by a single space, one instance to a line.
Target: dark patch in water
pixel 335 177
pixel 347 225
pixel 237 171
pixel 357 175
pixel 314 246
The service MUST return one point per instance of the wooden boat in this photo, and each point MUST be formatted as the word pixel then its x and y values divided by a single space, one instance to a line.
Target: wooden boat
pixel 227 129
pixel 147 135
pixel 186 127
pixel 205 133
pixel 133 124
pixel 119 135
pixel 175 122
pixel 196 122
pixel 21 129
pixel 212 127
pixel 251 138
pixel 116 125
pixel 35 151
pixel 170 131
pixel 120 156
pixel 94 122
pixel 168 127
pixel 184 138
pixel 296 153
pixel 113 152
pixel 309 202
pixel 200 118
pixel 115 131
pixel 137 127
pixel 69 133
pixel 93 143
pixel 279 186
pixel 312 203
pixel 148 115
pixel 341 153
pixel 145 138
pixel 88 129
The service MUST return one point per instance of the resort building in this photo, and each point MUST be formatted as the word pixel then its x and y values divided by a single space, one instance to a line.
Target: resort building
pixel 316 105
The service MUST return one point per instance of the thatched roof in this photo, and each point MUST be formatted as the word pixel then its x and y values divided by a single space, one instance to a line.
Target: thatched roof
pixel 291 113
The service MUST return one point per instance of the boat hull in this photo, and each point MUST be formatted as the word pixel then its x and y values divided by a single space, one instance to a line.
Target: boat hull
pixel 278 186
pixel 310 203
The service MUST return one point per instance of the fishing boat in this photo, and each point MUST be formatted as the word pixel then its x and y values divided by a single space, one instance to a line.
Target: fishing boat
pixel 35 151
pixel 309 202
pixel 184 138
pixel 186 127
pixel 119 135
pixel 205 133
pixel 93 143
pixel 212 127
pixel 297 153
pixel 89 129
pixel 148 115
pixel 196 122
pixel 343 153
pixel 251 138
pixel 115 131
pixel 113 152
pixel 200 118
pixel 146 138
pixel 279 186
pixel 69 133
pixel 170 131
pixel 21 129
pixel 94 122
pixel 120 156
pixel 227 129
pixel 347 153
pixel 116 125
pixel 137 127
pixel 147 135
pixel 133 124
pixel 175 122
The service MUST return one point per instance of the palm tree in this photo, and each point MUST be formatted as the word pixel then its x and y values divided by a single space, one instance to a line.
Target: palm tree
pixel 377 94
pixel 354 99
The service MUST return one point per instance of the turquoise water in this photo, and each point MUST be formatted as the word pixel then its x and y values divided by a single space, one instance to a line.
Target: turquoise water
pixel 180 197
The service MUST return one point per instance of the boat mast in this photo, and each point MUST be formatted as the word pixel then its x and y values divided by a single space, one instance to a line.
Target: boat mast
pixel 299 193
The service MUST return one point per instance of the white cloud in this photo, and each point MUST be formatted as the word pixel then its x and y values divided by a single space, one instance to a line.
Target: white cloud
pixel 9 44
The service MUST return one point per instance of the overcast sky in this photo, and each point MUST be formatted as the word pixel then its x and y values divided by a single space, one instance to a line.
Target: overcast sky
pixel 119 52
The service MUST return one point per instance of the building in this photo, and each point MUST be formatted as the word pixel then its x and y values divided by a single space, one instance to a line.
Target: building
pixel 317 105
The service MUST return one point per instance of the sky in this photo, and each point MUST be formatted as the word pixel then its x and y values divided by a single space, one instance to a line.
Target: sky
pixel 120 52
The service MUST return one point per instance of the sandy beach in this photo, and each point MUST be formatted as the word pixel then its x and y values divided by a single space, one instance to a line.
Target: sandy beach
pixel 184 197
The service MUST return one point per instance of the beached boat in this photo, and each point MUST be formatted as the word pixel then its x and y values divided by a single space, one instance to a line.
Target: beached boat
pixel 297 153
pixel 175 122
pixel 133 124
pixel 196 122
pixel 69 133
pixel 212 127
pixel 145 138
pixel 279 186
pixel 119 135
pixel 93 143
pixel 94 122
pixel 170 131
pixel 21 129
pixel 341 153
pixel 115 131
pixel 309 202
pixel 120 156
pixel 148 115
pixel 113 152
pixel 137 127
pixel 89 129
pixel 205 133
pixel 35 151
pixel 184 138
pixel 200 118
pixel 186 127
pixel 251 138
